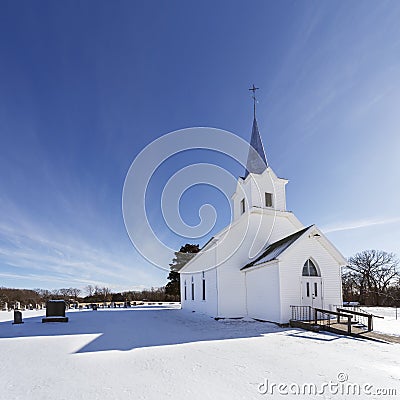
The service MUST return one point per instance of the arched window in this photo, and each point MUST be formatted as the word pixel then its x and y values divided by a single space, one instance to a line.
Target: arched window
pixel 309 269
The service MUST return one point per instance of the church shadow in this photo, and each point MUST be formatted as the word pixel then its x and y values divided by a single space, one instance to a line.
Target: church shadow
pixel 135 328
pixel 322 336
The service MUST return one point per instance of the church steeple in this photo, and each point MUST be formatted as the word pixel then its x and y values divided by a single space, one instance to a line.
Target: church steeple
pixel 263 193
pixel 256 160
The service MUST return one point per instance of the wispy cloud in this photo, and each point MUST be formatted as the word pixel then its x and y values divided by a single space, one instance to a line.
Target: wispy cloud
pixel 358 224
pixel 39 253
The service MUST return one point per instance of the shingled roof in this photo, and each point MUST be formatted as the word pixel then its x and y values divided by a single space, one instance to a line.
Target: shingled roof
pixel 273 251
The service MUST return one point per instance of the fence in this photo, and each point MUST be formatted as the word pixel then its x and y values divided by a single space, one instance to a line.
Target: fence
pixel 302 313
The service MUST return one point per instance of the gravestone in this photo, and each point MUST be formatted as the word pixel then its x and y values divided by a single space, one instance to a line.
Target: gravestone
pixel 17 317
pixel 5 307
pixel 55 311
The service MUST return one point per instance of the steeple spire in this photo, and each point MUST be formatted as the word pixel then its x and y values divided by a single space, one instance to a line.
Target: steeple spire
pixel 256 160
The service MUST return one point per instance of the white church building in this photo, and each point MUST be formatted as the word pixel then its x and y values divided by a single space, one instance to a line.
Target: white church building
pixel 266 260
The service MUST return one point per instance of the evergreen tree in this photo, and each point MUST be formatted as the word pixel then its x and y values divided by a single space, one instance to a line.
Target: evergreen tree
pixel 184 255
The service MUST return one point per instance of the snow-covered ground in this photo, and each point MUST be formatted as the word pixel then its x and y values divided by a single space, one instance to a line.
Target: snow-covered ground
pixel 388 324
pixel 166 353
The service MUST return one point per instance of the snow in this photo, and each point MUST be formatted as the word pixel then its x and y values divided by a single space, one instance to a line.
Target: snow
pixel 388 324
pixel 162 352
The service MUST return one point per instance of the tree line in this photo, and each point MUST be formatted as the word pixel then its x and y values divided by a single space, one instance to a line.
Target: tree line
pixel 91 294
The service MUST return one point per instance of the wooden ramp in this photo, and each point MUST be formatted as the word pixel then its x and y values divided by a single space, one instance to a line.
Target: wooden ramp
pixel 372 335
pixel 340 322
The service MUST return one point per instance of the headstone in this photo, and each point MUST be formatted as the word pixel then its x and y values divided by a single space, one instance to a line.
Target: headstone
pixel 94 307
pixel 5 307
pixel 17 317
pixel 17 305
pixel 55 311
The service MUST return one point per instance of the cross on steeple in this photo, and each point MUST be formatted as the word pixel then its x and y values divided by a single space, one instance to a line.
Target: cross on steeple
pixel 253 89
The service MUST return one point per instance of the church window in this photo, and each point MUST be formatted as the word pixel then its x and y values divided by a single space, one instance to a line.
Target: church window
pixel 309 269
pixel 268 199
pixel 242 206
pixel 308 289
pixel 315 289
pixel 204 286
pixel 192 288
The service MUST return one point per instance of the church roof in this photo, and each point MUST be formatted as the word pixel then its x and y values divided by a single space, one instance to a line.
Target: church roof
pixel 273 251
pixel 256 160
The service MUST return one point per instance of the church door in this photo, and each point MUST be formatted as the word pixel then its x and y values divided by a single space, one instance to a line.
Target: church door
pixel 311 285
pixel 312 292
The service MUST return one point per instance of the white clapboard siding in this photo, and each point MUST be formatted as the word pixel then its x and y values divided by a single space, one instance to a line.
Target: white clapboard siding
pixel 232 293
pixel 207 306
pixel 263 299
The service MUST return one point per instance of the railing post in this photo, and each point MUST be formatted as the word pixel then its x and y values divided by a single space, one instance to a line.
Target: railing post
pixel 309 314
pixel 316 316
pixel 349 325
pixel 370 323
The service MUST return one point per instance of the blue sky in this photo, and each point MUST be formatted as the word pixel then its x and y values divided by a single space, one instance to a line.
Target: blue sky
pixel 84 86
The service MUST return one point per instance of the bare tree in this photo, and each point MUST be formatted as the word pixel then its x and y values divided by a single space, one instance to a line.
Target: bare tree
pixel 371 273
pixel 75 292
pixel 89 289
pixel 65 293
pixel 105 293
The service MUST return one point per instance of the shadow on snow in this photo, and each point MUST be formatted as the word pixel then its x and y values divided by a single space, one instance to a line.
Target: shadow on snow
pixel 129 329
